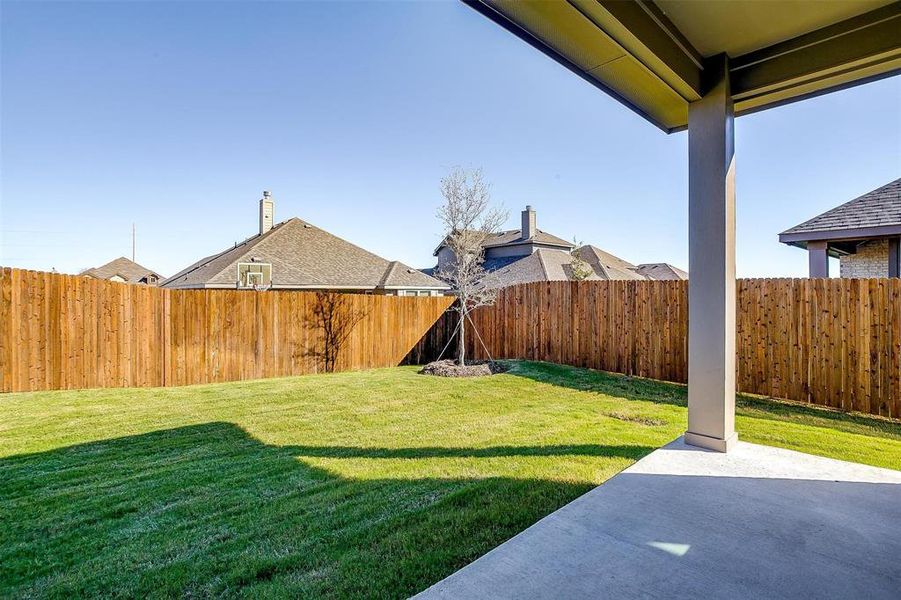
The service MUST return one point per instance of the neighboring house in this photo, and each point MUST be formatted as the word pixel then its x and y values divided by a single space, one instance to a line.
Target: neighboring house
pixel 295 255
pixel 124 270
pixel 661 272
pixel 529 254
pixel 864 234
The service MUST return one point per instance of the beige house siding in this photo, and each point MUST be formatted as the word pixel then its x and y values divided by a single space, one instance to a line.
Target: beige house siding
pixel 871 260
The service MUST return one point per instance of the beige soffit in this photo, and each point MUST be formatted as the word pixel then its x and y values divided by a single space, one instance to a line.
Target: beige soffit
pixel 651 56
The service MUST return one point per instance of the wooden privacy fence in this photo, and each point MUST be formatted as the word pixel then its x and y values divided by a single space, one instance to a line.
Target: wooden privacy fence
pixel 71 332
pixel 833 342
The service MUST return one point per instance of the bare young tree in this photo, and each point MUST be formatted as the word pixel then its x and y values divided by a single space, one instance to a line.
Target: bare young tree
pixel 469 220
pixel 580 268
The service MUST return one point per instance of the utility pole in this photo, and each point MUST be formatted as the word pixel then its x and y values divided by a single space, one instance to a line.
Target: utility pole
pixel 132 242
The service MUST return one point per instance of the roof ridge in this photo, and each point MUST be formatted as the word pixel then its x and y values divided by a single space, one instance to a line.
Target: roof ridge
pixel 348 242
pixel 392 264
pixel 541 263
pixel 256 239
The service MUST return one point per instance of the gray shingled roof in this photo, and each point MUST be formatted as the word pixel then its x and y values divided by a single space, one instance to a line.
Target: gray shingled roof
pixel 528 269
pixel 130 271
pixel 493 264
pixel 661 271
pixel 881 207
pixel 556 265
pixel 513 237
pixel 400 275
pixel 608 266
pixel 302 255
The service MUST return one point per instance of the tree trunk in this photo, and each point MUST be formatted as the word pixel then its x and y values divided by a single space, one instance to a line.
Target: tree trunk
pixel 461 352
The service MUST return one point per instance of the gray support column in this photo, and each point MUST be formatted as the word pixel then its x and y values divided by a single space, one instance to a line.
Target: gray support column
pixel 894 257
pixel 818 259
pixel 711 264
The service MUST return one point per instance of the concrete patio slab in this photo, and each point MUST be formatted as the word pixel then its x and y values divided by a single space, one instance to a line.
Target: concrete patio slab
pixel 758 522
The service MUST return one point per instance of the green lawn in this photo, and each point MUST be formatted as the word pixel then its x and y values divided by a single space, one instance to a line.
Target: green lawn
pixel 356 484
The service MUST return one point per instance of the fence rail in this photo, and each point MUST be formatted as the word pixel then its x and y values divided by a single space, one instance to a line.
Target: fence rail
pixel 832 342
pixel 71 332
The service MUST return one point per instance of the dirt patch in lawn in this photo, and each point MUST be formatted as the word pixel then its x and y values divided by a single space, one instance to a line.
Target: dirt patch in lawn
pixel 476 368
pixel 640 419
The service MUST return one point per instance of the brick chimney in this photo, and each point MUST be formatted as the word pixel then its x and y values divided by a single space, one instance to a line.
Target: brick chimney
pixel 267 212
pixel 529 223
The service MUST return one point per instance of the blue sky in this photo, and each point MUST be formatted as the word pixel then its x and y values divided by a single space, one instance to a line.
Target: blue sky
pixel 176 116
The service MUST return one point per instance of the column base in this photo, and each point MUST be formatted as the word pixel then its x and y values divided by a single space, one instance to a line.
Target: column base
pixel 711 443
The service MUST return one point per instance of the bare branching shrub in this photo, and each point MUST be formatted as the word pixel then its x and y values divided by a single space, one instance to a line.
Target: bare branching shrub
pixel 468 220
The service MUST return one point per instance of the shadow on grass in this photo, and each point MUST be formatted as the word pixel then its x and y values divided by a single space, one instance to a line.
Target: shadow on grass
pixel 601 382
pixel 209 510
pixel 662 392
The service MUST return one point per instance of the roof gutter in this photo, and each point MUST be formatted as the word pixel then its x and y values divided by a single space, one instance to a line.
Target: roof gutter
pixel 836 235
pixel 312 286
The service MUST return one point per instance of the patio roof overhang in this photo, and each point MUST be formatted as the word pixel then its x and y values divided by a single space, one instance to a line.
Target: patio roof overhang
pixel 652 56
pixel 836 243
pixel 856 234
pixel 696 66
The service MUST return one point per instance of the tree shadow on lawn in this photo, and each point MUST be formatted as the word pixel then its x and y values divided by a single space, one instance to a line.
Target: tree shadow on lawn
pixel 210 510
pixel 665 392
pixel 601 382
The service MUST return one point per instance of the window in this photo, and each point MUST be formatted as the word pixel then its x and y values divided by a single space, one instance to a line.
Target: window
pixel 254 275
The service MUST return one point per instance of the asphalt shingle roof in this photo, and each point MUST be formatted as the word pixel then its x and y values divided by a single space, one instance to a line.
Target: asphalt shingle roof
pixel 547 264
pixel 514 236
pixel 608 266
pixel 303 255
pixel 493 264
pixel 878 208
pixel 525 270
pixel 129 270
pixel 661 272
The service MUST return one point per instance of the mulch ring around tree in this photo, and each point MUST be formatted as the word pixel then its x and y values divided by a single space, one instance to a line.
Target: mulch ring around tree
pixel 474 368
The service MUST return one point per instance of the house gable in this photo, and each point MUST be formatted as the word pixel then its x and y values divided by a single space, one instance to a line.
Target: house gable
pixel 301 255
pixel 123 270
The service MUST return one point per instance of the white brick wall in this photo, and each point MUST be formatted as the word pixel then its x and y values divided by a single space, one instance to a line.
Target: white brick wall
pixel 871 260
